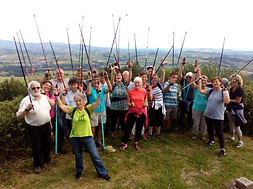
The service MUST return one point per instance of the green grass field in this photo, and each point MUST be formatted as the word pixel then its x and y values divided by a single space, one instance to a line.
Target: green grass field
pixel 175 161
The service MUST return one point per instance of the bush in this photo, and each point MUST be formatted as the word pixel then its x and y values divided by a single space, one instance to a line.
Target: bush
pixel 14 134
pixel 11 88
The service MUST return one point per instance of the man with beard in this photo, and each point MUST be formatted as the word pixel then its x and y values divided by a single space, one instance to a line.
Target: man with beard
pixel 36 114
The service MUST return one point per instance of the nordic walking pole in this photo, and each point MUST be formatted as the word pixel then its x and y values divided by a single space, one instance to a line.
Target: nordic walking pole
pixel 55 138
pixel 28 56
pixel 221 57
pixel 146 58
pixel 102 124
pixel 24 59
pixel 22 69
pixel 70 54
pixel 42 45
pixel 181 49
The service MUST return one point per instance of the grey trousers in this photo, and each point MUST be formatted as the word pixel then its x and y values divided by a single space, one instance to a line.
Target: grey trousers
pixel 199 122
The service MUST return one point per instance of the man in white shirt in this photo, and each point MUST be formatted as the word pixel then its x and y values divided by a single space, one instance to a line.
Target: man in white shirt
pixel 34 108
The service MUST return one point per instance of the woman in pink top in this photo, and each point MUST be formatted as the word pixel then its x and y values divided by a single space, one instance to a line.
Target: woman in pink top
pixel 136 101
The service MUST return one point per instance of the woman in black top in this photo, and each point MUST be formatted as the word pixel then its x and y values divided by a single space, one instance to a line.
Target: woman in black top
pixel 236 109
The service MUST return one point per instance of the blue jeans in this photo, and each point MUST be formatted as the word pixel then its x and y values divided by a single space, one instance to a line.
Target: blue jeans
pixel 91 148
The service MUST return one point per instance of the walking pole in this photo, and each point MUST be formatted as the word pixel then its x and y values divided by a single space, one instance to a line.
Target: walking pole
pixel 102 126
pixel 55 152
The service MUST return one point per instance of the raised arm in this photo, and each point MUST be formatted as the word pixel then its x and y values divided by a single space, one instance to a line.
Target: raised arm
pixel 226 98
pixel 180 75
pixel 109 88
pixel 63 107
pixel 95 104
pixel 202 91
pixel 163 73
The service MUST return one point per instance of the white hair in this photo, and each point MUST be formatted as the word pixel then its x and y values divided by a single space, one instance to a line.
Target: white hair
pixel 80 96
pixel 138 79
pixel 29 84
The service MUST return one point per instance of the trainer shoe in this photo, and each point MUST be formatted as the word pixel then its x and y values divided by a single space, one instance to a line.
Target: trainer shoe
pixel 158 136
pixel 123 146
pixel 222 153
pixel 78 175
pixel 239 144
pixel 194 137
pixel 106 177
pixel 37 170
pixel 232 139
pixel 210 143
pixel 136 146
pixel 149 136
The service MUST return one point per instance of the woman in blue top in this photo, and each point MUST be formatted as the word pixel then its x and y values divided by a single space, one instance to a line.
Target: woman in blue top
pixel 199 107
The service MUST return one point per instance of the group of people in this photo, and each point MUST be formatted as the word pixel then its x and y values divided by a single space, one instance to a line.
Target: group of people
pixel 89 109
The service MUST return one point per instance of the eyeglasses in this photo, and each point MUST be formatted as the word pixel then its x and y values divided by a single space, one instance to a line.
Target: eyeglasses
pixel 35 88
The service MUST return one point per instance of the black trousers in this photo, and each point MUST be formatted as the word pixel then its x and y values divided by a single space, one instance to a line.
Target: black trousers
pixel 115 114
pixel 40 138
pixel 185 108
pixel 131 119
pixel 218 126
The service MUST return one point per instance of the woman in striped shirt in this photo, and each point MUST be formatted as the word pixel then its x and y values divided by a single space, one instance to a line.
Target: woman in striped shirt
pixel 155 115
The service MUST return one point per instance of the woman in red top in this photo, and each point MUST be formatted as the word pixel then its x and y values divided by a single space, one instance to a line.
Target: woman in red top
pixel 136 101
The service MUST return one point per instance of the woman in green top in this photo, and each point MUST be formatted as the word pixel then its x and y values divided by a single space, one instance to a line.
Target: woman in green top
pixel 81 133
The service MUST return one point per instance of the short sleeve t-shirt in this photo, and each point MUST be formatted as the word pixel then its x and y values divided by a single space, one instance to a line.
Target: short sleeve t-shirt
pixel 215 106
pixel 137 97
pixel 170 97
pixel 237 93
pixel 81 122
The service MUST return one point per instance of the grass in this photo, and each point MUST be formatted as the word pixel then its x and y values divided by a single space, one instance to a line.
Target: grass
pixel 175 161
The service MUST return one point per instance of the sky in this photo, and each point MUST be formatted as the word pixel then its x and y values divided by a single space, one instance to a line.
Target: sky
pixel 207 22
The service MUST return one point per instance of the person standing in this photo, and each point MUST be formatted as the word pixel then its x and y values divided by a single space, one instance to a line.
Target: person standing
pixel 170 95
pixel 186 99
pixel 214 113
pixel 37 116
pixel 136 101
pixel 81 134
pixel 236 109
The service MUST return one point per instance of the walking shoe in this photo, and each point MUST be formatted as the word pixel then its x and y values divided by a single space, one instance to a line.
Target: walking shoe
pixel 203 138
pixel 136 146
pixel 194 137
pixel 158 136
pixel 232 139
pixel 149 136
pixel 210 143
pixel 106 177
pixel 123 146
pixel 78 175
pixel 239 144
pixel 144 137
pixel 222 153
pixel 37 170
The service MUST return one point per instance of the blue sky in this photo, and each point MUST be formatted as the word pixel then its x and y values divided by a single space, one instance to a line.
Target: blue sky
pixel 207 22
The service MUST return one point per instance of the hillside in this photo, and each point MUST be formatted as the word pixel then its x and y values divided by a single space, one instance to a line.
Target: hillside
pixel 10 66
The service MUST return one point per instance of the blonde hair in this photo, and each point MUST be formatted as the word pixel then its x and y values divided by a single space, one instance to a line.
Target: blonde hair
pixel 238 78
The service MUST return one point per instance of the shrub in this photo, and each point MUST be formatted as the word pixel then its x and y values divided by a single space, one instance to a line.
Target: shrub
pixel 11 88
pixel 14 134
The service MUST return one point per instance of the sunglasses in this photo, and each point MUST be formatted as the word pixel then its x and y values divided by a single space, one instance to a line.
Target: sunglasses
pixel 188 77
pixel 35 88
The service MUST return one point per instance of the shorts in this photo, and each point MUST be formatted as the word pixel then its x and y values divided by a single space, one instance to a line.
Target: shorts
pixel 96 118
pixel 171 112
